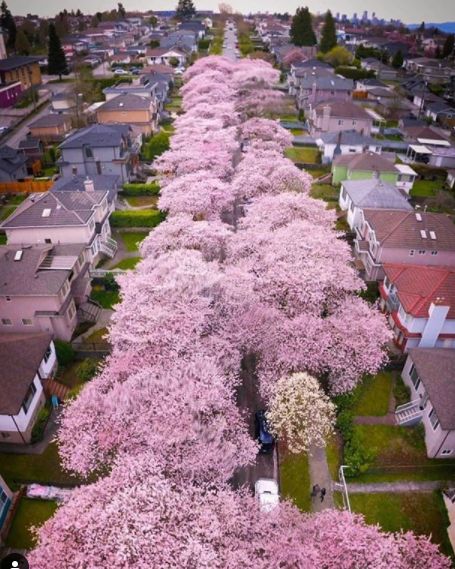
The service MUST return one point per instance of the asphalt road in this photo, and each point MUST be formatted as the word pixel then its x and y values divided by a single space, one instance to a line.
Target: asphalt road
pixel 230 39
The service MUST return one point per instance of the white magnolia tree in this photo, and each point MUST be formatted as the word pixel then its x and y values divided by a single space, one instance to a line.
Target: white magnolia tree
pixel 300 413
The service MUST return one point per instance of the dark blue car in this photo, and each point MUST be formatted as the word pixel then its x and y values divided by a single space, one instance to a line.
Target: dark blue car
pixel 263 434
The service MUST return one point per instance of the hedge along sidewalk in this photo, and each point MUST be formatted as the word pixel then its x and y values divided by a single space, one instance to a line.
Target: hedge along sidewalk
pixel 137 218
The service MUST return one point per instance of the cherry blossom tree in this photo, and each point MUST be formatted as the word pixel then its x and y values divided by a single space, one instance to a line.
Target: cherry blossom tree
pixel 267 133
pixel 300 413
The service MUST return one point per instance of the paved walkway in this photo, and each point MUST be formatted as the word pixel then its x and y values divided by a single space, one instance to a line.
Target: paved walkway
pixel 320 474
pixel 36 448
pixel 102 322
pixel 403 486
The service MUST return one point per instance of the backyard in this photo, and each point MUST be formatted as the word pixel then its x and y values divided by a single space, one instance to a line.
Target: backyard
pixel 29 513
pixel 127 264
pixel 295 479
pixel 131 240
pixel 425 188
pixel 305 154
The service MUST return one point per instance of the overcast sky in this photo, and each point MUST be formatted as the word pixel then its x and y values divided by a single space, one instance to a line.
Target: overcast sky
pixel 409 11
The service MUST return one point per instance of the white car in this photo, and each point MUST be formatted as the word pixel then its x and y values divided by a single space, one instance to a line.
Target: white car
pixel 120 71
pixel 266 491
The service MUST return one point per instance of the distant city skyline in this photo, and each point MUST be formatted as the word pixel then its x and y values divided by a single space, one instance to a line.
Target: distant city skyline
pixel 407 11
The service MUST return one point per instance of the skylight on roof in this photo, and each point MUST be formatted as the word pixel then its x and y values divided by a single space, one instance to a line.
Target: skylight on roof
pixel 46 212
pixel 423 234
pixel 418 217
pixel 18 255
pixel 432 234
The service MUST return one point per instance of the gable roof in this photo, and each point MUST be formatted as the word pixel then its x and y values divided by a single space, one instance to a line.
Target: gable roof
pixel 399 229
pixel 98 135
pixel 21 355
pixel 420 285
pixel 344 109
pixel 367 161
pixel 376 194
pixel 50 120
pixel 126 102
pixel 349 137
pixel 16 61
pixel 436 369
pixel 64 209
pixel 10 159
pixel 328 83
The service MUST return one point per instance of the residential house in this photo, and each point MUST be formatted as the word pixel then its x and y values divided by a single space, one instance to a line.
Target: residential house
pixel 103 183
pixel 33 150
pixel 63 102
pixel 140 112
pixel 357 195
pixel 443 157
pixel 390 236
pixel 41 287
pixel 51 128
pixel 449 500
pixel 163 55
pixel 348 142
pixel 432 70
pixel 315 90
pixel 28 359
pixel 22 68
pixel 420 302
pixel 10 94
pixel 440 111
pixel 13 164
pixel 451 179
pixel 64 217
pixel 100 149
pixel 336 116
pixel 195 26
pixel 6 499
pixel 383 71
pixel 429 373
pixel 306 69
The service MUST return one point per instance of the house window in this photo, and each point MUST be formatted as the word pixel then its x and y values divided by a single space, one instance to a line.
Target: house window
pixel 71 311
pixel 421 251
pixel 433 419
pixel 48 240
pixel 7 322
pixel 411 252
pixel 8 298
pixel 47 355
pixel 434 252
pixel 74 170
pixel 446 452
pixel 29 398
pixel 27 322
pixel 340 122
pixel 414 377
pixel 88 152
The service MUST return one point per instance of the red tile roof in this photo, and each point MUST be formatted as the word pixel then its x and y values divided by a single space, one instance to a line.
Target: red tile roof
pixel 420 285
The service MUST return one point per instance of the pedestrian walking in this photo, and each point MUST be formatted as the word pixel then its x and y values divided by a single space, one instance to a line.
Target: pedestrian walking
pixel 323 493
pixel 315 491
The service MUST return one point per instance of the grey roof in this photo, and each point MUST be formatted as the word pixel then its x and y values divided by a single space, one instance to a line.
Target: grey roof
pixel 50 120
pixel 126 102
pixel 101 183
pixel 11 63
pixel 98 135
pixel 344 109
pixel 368 161
pixel 10 159
pixel 30 143
pixel 333 83
pixel 66 209
pixel 436 369
pixel 311 63
pixel 350 137
pixel 376 194
pixel 21 355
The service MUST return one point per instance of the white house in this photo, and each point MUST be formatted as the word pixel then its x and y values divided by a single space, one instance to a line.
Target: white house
pixel 6 498
pixel 162 55
pixel 27 360
pixel 374 193
pixel 332 144
pixel 429 373
pixel 406 177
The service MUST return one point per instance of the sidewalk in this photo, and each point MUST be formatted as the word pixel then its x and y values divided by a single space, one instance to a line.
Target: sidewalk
pixel 378 487
pixel 320 474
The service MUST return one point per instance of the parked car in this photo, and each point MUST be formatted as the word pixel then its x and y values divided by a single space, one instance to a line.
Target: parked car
pixel 135 70
pixel 263 434
pixel 266 491
pixel 120 71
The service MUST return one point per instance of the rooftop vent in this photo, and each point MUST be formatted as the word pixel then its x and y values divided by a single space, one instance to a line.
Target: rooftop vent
pixel 433 235
pixel 18 255
pixel 120 104
pixel 423 234
pixel 46 212
pixel 418 217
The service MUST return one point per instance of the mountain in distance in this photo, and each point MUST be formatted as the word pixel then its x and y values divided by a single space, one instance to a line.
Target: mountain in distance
pixel 446 27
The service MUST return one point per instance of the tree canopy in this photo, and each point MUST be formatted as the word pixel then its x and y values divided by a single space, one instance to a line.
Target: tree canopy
pixel 185 10
pixel 328 36
pixel 7 23
pixel 302 33
pixel 57 64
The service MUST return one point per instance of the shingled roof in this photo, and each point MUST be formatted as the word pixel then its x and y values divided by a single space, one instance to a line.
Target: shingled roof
pixel 126 102
pixel 343 109
pixel 436 370
pixel 376 194
pixel 368 161
pixel 98 135
pixel 21 355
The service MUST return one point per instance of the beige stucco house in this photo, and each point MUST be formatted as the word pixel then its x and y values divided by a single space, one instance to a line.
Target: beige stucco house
pixel 140 112
pixel 337 116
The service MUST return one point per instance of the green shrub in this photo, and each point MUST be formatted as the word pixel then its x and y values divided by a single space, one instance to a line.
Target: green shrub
pixel 110 283
pixel 354 73
pixel 64 351
pixel 87 369
pixel 357 456
pixel 156 146
pixel 430 172
pixel 141 189
pixel 136 218
pixel 345 424
pixel 203 44
pixel 40 425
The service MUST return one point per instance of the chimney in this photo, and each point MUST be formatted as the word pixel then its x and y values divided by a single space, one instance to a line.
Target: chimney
pixel 3 54
pixel 325 118
pixel 89 185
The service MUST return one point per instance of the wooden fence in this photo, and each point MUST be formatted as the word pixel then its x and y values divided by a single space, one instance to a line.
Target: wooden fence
pixel 27 186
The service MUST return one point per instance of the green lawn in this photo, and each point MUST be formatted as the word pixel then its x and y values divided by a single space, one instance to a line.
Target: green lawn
pixel 334 455
pixel 324 192
pixel 3 239
pixel 374 395
pixel 295 480
pixel 291 117
pixel 425 188
pixel 29 513
pixel 6 211
pixel 303 154
pixel 421 512
pixel 42 468
pixel 107 298
pixel 132 240
pixel 318 172
pixel 127 264
pixel 68 375
pixel 138 201
pixel 297 131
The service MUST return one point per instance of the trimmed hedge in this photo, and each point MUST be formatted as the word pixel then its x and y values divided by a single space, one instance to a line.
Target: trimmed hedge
pixel 354 73
pixel 155 146
pixel 141 189
pixel 136 218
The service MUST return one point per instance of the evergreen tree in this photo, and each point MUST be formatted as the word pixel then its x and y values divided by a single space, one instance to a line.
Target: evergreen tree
pixel 329 36
pixel 22 45
pixel 397 60
pixel 422 27
pixel 8 24
pixel 185 9
pixel 447 50
pixel 121 11
pixel 302 28
pixel 56 58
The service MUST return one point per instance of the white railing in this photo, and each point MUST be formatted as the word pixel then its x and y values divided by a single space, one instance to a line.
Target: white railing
pixel 407 406
pixel 100 273
pixel 345 494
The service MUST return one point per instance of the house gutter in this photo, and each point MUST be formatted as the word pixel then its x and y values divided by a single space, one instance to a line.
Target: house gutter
pixel 442 444
pixel 17 427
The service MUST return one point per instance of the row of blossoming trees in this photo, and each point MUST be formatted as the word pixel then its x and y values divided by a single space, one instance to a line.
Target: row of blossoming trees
pixel 246 265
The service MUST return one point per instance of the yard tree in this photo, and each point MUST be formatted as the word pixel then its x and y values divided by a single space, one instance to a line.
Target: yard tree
pixel 328 36
pixel 22 45
pixel 121 11
pixel 339 55
pixel 302 33
pixel 56 56
pixel 300 414
pixel 397 60
pixel 185 10
pixel 8 24
pixel 447 49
